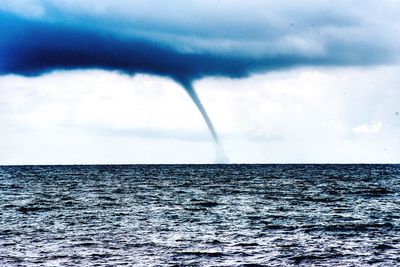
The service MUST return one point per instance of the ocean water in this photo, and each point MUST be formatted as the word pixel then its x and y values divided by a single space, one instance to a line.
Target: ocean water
pixel 200 215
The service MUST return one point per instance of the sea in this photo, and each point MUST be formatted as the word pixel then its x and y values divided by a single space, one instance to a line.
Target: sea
pixel 200 215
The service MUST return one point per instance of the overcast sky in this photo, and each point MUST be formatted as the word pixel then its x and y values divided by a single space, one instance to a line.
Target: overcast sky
pixel 85 82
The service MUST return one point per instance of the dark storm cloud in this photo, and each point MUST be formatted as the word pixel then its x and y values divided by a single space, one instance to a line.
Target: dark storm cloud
pixel 64 38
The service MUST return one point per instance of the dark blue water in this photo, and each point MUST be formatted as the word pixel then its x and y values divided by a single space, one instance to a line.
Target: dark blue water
pixel 200 215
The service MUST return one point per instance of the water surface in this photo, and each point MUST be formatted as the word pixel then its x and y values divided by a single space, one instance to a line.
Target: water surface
pixel 200 215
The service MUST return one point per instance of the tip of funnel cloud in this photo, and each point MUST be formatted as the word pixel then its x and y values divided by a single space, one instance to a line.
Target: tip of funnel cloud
pixel 221 157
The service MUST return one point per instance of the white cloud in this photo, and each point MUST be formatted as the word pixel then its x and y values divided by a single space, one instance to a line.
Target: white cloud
pixel 305 115
pixel 368 128
pixel 25 8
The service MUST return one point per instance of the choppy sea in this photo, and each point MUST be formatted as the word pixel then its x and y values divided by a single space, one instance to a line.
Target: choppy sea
pixel 200 215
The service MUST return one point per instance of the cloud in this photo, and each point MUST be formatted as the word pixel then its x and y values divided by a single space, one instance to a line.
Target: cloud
pixel 368 128
pixel 302 115
pixel 188 41
pixel 198 41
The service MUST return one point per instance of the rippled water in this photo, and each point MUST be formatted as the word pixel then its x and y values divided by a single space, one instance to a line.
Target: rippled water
pixel 200 215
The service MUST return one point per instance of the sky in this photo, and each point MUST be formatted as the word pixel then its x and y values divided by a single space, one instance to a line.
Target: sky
pixel 83 82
